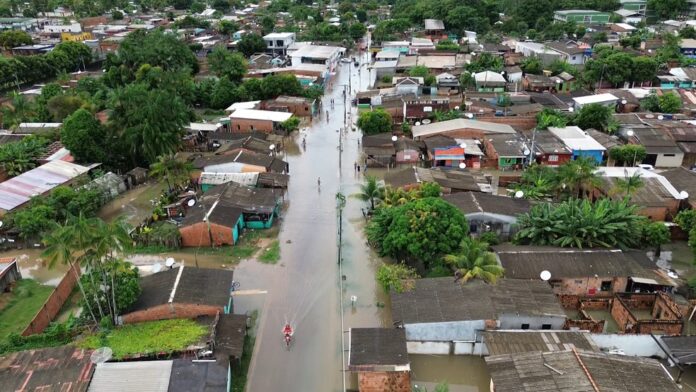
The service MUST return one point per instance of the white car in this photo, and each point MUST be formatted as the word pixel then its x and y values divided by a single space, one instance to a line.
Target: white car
pixel 645 166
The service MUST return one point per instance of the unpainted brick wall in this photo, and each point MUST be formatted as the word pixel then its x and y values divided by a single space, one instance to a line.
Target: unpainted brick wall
pixel 53 303
pixel 384 382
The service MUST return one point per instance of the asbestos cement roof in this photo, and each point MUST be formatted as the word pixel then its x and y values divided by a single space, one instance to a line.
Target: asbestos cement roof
pixel 377 347
pixel 579 371
pixel 513 342
pixel 147 376
pixel 254 114
pixel 477 202
pixel 436 300
pixel 460 124
pixel 57 369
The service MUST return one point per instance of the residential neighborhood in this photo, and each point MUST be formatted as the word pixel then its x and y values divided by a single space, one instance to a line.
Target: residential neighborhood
pixel 373 196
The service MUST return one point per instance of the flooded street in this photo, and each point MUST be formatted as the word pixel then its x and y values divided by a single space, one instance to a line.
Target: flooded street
pixel 303 288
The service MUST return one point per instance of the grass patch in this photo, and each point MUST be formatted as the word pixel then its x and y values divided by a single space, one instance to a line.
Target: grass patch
pixel 271 255
pixel 22 304
pixel 239 373
pixel 164 336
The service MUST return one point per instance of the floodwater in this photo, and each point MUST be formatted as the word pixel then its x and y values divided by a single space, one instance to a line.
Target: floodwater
pixel 462 373
pixel 134 205
pixel 303 288
pixel 31 265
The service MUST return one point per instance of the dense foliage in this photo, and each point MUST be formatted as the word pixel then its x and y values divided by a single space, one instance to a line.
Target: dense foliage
pixel 65 57
pixel 395 277
pixel 375 121
pixel 472 260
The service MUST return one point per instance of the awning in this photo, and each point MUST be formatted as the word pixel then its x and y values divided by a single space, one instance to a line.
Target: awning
pixel 644 280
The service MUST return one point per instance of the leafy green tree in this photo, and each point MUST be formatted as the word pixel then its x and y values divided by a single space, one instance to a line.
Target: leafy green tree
pixel 580 223
pixel 551 118
pixel 250 44
pixel 644 69
pixel 419 71
pixel 656 234
pixel 117 15
pixel 419 231
pixel 175 172
pixel 686 219
pixel 357 30
pixel 375 121
pixel 63 105
pixel 670 102
pixel 595 116
pixel 395 277
pixel 290 125
pixel 33 223
pixel 667 9
pixel 473 261
pixel 12 38
pixel 227 27
pixel 85 137
pixel 150 121
pixel 156 48
pixel 485 62
pixel 538 182
pixel 227 64
pixel 578 176
pixel 370 191
pixel 447 45
pixel 125 278
pixel 532 65
pixel 687 32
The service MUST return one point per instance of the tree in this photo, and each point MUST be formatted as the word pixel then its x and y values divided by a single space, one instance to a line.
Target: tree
pixel 669 102
pixel 577 223
pixel 551 118
pixel 375 121
pixel 656 234
pixel 12 38
pixel 686 219
pixel 125 278
pixel 175 172
pixel 85 137
pixel 227 27
pixel 578 176
pixel 473 261
pixel 667 9
pixel 150 121
pixel 419 71
pixel 395 277
pixel 156 48
pixel 223 94
pixel 250 44
pixel 34 222
pixel 419 231
pixel 61 106
pixel 532 65
pixel 357 31
pixel 644 69
pixel 629 185
pixel 117 15
pixel 370 191
pixel 290 125
pixel 447 45
pixel 485 62
pixel 687 32
pixel 595 116
pixel 227 64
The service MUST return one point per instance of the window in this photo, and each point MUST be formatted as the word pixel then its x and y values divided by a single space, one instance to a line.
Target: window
pixel 269 43
pixel 574 57
pixel 553 158
pixel 279 43
pixel 606 285
pixel 525 326
pixel 545 326
pixel 669 155
pixel 251 127
pixel 587 18
pixel 239 127
pixel 578 281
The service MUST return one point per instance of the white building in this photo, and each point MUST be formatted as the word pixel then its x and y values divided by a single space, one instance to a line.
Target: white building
pixel 278 43
pixel 605 99
pixel 327 56
pixel 68 28
pixel 535 49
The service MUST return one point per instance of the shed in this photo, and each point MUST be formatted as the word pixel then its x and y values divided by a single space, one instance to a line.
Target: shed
pixel 9 273
pixel 213 225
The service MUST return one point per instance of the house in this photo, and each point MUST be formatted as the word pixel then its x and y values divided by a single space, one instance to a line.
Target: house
pixel 605 99
pixel 450 181
pixel 639 6
pixel 547 149
pixel 540 51
pixel 408 151
pixel 17 191
pixel 683 180
pixel 407 85
pixel 326 56
pixel 240 161
pixel 687 47
pixel 577 371
pixel 578 273
pixel 424 107
pixel 538 83
pixel 579 142
pixel 387 55
pixel 214 225
pixel 435 29
pixel 507 151
pixel 182 292
pixel 444 151
pixel 203 128
pixel 489 213
pixel 629 17
pixel 464 128
pixel 248 143
pixel 515 342
pixel 64 368
pixel 278 43
pixel 242 105
pixel 246 120
pixel 647 313
pixel 582 16
pixel 657 199
pixel 513 74
pixel 299 106
pixel 489 81
pixel 422 44
pixel 9 273
pixel 680 349
pixel 440 318
pixel 379 150
pixel 380 358
pixel 260 206
pixel 661 149
pixel 571 52
pixel 447 84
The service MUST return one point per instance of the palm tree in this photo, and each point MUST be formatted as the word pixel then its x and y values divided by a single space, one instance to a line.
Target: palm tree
pixel 370 191
pixel 629 184
pixel 474 261
pixel 172 170
pixel 392 197
pixel 579 176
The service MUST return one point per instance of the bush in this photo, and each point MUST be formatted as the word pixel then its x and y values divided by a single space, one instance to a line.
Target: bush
pixel 387 79
pixel 392 276
pixel 490 238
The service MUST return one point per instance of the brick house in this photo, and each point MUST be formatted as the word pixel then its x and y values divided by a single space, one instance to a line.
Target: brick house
pixel 211 226
pixel 259 206
pixel 380 358
pixel 299 106
pixel 181 293
pixel 647 313
pixel 249 120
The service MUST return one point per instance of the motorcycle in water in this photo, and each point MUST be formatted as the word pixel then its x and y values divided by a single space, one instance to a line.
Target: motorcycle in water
pixel 287 335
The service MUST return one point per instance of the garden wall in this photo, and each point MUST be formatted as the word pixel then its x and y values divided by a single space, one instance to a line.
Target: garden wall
pixel 54 303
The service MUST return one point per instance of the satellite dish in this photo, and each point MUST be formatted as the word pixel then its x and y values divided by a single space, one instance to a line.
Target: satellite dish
pixel 1 223
pixel 545 275
pixel 101 355
pixel 418 123
pixel 682 194
pixel 519 194
pixel 470 115
pixel 462 165
pixel 157 267
pixel 660 117
pixel 191 202
pixel 169 262
pixel 456 108
pixel 462 145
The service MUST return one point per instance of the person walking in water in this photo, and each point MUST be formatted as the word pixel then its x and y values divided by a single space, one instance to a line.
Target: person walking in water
pixel 319 182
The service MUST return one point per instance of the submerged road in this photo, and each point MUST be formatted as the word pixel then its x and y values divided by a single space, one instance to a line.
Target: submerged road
pixel 303 288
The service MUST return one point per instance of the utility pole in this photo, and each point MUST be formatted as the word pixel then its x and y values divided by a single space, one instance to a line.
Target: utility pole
pixel 340 203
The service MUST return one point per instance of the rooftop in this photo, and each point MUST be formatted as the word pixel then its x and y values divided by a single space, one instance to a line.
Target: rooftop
pixel 682 179
pixel 316 51
pixel 681 348
pixel 64 368
pixel 219 214
pixel 460 124
pixel 229 334
pixel 250 200
pixel 577 371
pixel 576 139
pixel 596 98
pixel 378 348
pixel 434 24
pixel 151 376
pixel 513 342
pixel 254 114
pixel 185 285
pixel 436 300
pixel 477 202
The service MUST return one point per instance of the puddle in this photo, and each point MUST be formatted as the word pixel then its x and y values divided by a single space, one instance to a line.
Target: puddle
pixel 463 373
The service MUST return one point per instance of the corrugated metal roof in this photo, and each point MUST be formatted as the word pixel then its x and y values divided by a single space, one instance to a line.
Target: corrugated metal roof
pixel 143 376
pixel 18 190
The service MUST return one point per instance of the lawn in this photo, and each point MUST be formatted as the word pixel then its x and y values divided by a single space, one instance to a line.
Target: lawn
pixel 20 306
pixel 271 255
pixel 164 336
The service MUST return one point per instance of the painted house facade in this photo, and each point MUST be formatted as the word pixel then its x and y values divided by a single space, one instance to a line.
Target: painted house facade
pixel 582 16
